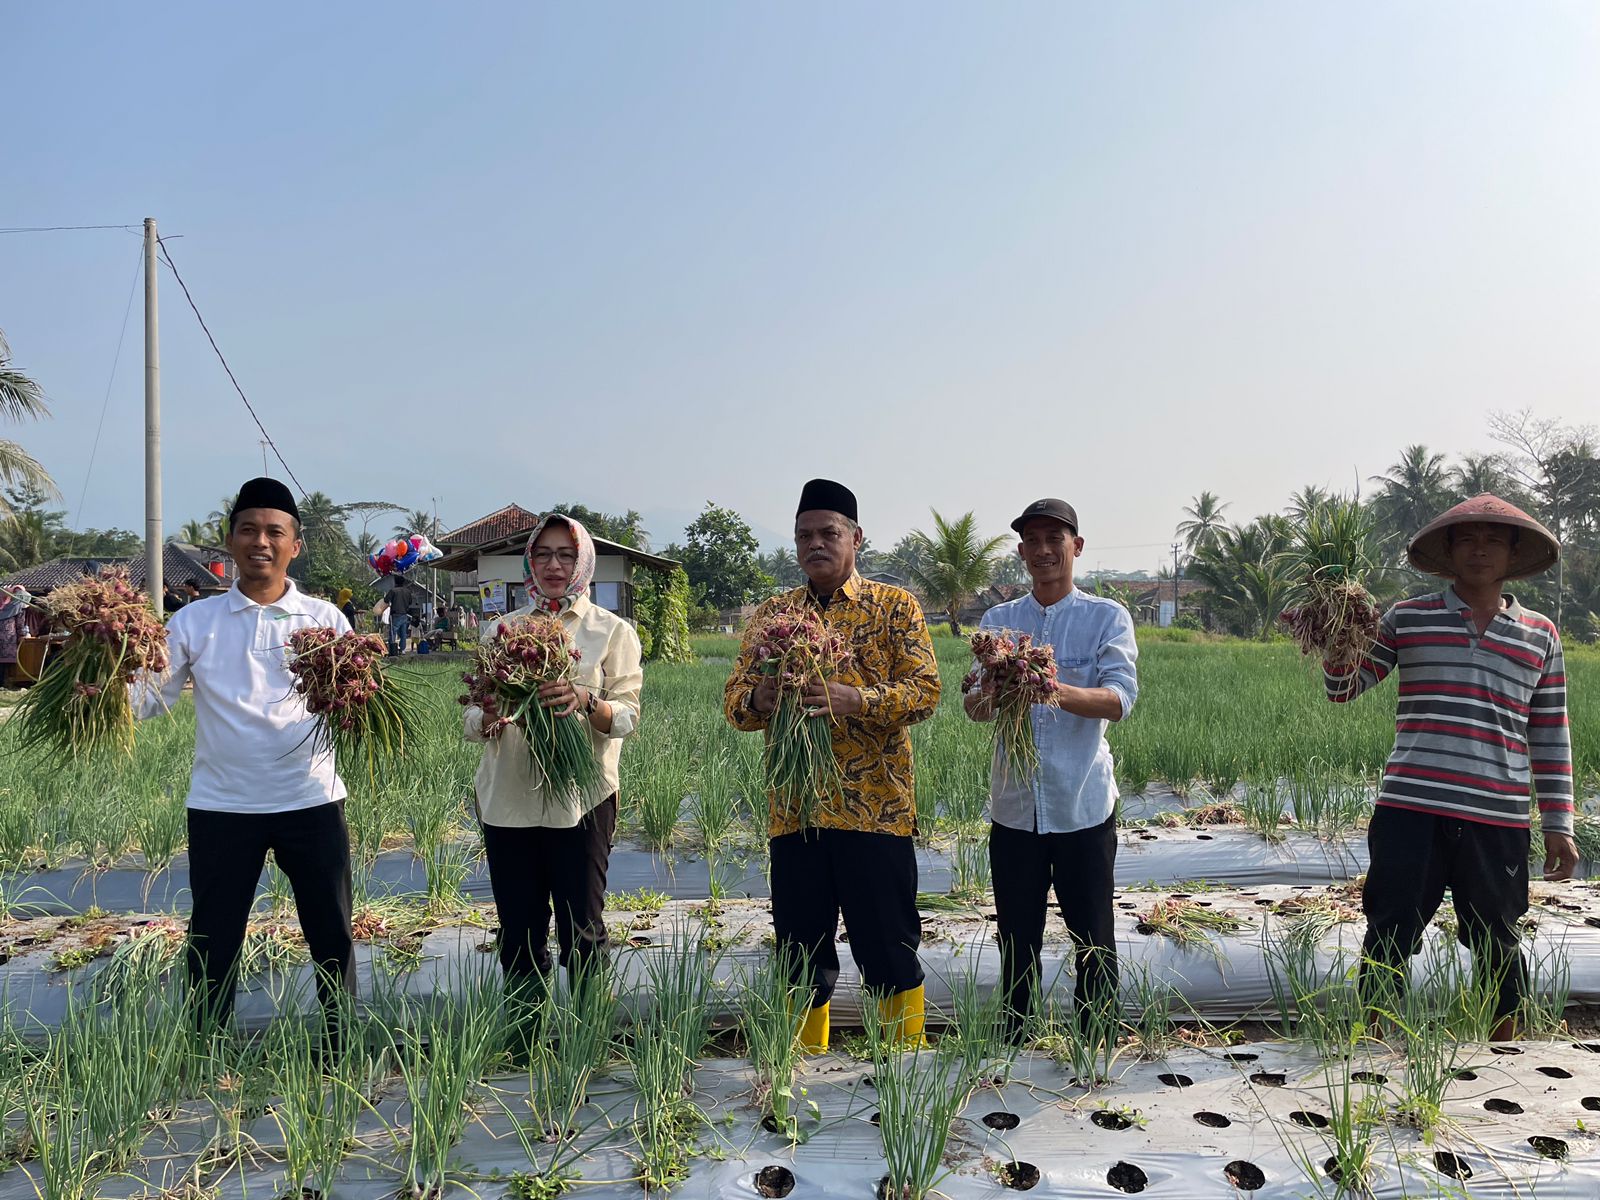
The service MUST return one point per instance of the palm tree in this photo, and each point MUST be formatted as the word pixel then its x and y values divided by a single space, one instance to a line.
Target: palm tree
pixel 1479 473
pixel 219 517
pixel 1307 501
pixel 1412 492
pixel 1246 571
pixel 782 567
pixel 956 564
pixel 24 540
pixel 1203 519
pixel 418 520
pixel 195 533
pixel 20 399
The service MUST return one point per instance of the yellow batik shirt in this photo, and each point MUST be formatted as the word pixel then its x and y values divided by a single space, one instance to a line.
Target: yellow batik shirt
pixel 893 664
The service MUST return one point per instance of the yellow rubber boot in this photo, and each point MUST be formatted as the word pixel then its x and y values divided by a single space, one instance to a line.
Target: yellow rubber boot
pixel 814 1033
pixel 901 1015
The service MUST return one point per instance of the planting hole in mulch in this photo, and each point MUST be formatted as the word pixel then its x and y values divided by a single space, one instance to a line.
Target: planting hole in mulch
pixel 1239 1056
pixel 1126 1177
pixel 774 1181
pixel 1105 1118
pixel 1126 904
pixel 1309 1120
pixel 1549 1147
pixel 875 1118
pixel 1144 928
pixel 1266 903
pixel 1179 895
pixel 1592 1103
pixel 1269 1079
pixel 1506 1108
pixel 1368 1077
pixel 1002 1120
pixel 1178 1081
pixel 1591 1047
pixel 638 941
pixel 1245 1176
pixel 1505 1049
pixel 1464 1075
pixel 1332 1171
pixel 1204 837
pixel 1019 1176
pixel 1213 1120
pixel 1555 1072
pixel 1452 1165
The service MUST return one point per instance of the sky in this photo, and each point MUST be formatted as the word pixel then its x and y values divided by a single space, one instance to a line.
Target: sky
pixel 957 256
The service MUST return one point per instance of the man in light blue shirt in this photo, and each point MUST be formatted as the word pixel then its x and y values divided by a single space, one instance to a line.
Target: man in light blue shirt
pixel 1058 827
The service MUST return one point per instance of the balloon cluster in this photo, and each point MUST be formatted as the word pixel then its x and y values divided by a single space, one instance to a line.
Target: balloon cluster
pixel 399 556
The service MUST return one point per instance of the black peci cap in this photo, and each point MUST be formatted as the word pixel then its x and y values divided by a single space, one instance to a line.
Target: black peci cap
pixel 826 494
pixel 1051 510
pixel 265 493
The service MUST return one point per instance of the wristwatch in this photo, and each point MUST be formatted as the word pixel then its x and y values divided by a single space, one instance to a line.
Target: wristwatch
pixel 588 705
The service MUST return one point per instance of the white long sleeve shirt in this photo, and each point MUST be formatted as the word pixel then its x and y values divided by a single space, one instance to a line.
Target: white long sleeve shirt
pixel 252 749
pixel 610 666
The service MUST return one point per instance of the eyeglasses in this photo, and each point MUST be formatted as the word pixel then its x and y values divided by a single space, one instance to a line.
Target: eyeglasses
pixel 566 558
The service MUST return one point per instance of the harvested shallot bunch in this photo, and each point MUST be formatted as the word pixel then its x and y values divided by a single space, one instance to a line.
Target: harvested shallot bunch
pixel 794 646
pixel 360 705
pixel 80 702
pixel 522 653
pixel 1335 616
pixel 1021 674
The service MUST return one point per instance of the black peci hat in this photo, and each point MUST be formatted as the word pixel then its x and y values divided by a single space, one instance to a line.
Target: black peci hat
pixel 265 493
pixel 826 494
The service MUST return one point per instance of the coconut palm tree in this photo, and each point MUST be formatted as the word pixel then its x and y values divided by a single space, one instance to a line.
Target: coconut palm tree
pixel 418 520
pixel 1307 501
pixel 956 564
pixel 21 398
pixel 1479 473
pixel 1202 521
pixel 1412 492
pixel 1246 571
pixel 782 567
pixel 218 517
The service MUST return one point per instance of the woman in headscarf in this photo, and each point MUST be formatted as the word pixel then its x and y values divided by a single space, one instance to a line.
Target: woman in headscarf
pixel 548 852
pixel 345 605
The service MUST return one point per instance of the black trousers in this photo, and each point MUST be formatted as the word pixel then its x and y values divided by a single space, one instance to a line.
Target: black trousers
pixel 868 878
pixel 1415 857
pixel 227 851
pixel 536 873
pixel 1080 865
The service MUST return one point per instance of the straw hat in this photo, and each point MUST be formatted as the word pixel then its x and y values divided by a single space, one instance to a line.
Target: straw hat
pixel 1536 549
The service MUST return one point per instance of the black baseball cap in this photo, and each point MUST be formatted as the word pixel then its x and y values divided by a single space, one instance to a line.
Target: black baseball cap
pixel 1051 509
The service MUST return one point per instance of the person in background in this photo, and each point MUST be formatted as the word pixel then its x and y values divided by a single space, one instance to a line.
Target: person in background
pixel 13 625
pixel 171 599
pixel 549 852
pixel 343 602
pixel 400 601
pixel 859 861
pixel 259 781
pixel 1482 716
pixel 1058 828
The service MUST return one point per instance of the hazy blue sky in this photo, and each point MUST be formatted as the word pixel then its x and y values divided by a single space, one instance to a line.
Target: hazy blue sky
pixel 960 256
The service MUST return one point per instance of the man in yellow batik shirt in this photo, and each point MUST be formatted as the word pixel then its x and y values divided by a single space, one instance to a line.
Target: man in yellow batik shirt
pixel 858 860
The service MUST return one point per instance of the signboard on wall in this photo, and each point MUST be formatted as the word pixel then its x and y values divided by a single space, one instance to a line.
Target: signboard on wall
pixel 492 596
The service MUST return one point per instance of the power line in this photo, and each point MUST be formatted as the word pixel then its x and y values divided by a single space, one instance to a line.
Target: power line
pixel 267 437
pixel 64 228
pixel 106 403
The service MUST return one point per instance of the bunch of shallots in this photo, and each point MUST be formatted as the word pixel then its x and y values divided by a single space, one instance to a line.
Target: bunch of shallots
pixel 360 705
pixel 794 647
pixel 1018 674
pixel 521 654
pixel 1337 619
pixel 81 700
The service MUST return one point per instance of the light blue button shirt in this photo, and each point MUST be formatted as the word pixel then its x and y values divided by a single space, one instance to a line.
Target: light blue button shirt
pixel 1075 786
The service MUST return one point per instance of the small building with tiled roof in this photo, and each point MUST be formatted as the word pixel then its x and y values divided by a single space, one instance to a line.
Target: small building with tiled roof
pixel 484 558
pixel 211 570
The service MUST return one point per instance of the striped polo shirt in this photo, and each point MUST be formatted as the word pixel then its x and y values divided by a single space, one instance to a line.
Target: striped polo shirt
pixel 1478 715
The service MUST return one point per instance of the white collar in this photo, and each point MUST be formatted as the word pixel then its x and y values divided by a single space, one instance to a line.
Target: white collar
pixel 290 601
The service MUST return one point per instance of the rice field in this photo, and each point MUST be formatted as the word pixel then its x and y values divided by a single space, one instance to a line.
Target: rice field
pixel 677 1071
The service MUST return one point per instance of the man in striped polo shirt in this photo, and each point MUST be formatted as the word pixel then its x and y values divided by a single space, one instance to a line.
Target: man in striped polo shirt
pixel 1483 708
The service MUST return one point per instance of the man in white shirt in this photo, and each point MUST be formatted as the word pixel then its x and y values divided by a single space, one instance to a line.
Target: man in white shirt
pixel 1058 828
pixel 258 784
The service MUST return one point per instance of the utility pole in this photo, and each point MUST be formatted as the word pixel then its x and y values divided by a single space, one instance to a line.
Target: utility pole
pixel 1174 583
pixel 153 582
